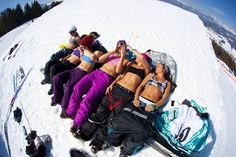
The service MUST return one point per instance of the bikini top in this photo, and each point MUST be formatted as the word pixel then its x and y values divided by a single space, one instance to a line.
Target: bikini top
pixel 76 53
pixel 87 59
pixel 113 59
pixel 154 82
pixel 137 71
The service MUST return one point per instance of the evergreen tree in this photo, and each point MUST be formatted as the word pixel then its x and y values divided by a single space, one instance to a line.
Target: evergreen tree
pixel 19 14
pixel 37 9
pixel 10 19
pixel 55 3
pixel 225 56
pixel 45 8
pixel 1 25
pixel 28 12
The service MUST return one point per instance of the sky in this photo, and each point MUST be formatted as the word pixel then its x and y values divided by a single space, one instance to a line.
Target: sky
pixel 223 10
pixel 12 3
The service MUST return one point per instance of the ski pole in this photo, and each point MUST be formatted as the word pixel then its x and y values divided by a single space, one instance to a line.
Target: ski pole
pixel 26 116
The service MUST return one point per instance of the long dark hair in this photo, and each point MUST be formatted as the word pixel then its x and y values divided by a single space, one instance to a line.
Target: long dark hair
pixel 167 76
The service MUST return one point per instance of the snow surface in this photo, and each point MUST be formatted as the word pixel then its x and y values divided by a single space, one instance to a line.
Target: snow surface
pixel 10 38
pixel 144 25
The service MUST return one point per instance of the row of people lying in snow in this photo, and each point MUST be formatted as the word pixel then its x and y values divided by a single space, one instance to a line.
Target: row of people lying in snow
pixel 125 82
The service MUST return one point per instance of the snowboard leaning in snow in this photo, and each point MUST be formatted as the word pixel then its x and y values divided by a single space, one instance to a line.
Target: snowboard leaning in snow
pixel 17 90
pixel 78 153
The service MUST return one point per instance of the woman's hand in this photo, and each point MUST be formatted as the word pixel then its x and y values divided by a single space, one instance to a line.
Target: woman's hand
pixel 129 47
pixel 109 89
pixel 136 103
pixel 149 108
pixel 121 49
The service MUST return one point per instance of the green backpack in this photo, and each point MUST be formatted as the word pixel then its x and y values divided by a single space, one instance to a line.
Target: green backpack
pixel 185 127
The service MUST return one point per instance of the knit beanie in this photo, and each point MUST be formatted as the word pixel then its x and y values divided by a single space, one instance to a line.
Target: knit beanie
pixel 94 34
pixel 73 29
pixel 87 41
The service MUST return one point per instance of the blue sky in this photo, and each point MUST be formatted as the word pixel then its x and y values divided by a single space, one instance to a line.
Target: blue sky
pixel 223 10
pixel 12 3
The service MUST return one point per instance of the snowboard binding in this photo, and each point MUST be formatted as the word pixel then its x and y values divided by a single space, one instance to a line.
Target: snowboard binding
pixel 37 144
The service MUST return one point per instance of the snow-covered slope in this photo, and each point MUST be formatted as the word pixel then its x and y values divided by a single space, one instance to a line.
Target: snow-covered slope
pixel 222 41
pixel 10 38
pixel 144 24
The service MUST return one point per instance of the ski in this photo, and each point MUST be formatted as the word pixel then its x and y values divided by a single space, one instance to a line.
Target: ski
pixel 18 77
pixel 11 50
pixel 14 83
pixel 10 109
pixel 14 53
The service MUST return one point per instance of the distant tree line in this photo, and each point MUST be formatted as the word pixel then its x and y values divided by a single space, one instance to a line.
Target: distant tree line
pixel 225 56
pixel 12 18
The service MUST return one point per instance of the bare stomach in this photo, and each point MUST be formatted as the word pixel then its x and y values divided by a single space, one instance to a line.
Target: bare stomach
pixel 130 82
pixel 109 69
pixel 74 59
pixel 152 93
pixel 85 66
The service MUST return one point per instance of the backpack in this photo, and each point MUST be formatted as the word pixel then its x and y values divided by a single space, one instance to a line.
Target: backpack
pixel 185 127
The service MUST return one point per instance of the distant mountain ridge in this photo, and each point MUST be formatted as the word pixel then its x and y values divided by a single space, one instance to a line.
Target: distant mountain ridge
pixel 209 22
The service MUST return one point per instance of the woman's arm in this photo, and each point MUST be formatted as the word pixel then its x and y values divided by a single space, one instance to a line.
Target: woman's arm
pixel 140 89
pixel 122 62
pixel 104 57
pixel 65 58
pixel 164 96
pixel 141 86
pixel 108 90
pixel 93 56
pixel 146 65
pixel 136 53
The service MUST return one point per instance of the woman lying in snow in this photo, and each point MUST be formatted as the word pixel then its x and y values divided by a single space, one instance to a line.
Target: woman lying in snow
pixel 118 94
pixel 73 43
pixel 73 60
pixel 71 77
pixel 94 86
pixel 131 126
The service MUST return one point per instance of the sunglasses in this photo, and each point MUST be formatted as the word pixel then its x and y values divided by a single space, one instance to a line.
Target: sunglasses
pixel 121 42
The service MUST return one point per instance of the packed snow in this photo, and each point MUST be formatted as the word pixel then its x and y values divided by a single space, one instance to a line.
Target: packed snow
pixel 144 25
pixel 10 38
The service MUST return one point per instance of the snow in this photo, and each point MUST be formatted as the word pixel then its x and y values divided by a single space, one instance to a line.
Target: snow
pixel 10 37
pixel 144 25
